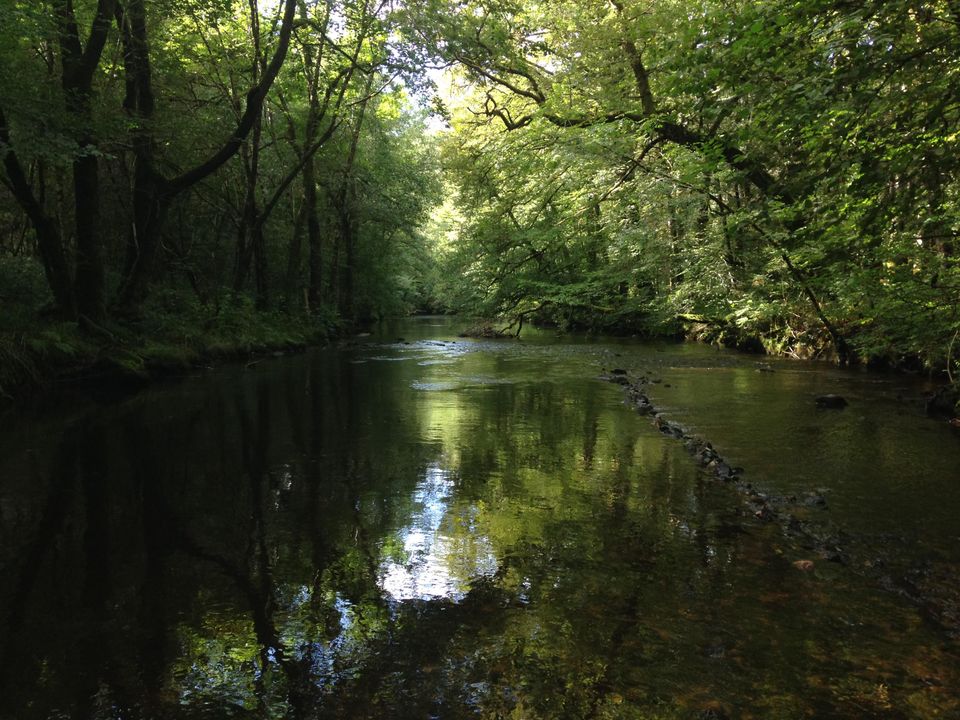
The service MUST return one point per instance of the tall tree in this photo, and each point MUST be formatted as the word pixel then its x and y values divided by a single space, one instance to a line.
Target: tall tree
pixel 78 62
pixel 154 191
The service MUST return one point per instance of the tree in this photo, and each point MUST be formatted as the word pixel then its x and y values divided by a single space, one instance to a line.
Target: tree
pixel 153 191
pixel 78 63
pixel 760 116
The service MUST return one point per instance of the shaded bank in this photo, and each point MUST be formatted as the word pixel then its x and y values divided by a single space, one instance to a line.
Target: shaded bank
pixel 46 356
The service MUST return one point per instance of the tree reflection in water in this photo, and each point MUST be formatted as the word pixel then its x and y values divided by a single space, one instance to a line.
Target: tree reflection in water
pixel 339 536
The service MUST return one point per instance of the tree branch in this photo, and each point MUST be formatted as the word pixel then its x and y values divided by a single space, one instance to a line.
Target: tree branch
pixel 255 99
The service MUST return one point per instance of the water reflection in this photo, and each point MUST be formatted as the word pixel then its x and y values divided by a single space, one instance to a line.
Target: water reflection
pixel 318 538
pixel 436 562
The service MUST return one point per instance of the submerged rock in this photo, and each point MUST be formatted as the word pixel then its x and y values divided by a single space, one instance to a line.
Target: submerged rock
pixel 943 402
pixel 645 407
pixel 937 597
pixel 616 378
pixel 712 710
pixel 815 500
pixel 832 402
pixel 669 428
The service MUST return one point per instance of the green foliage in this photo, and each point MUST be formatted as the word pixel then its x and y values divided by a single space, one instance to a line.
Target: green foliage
pixel 399 178
pixel 342 98
pixel 784 170
pixel 178 328
pixel 175 334
pixel 23 289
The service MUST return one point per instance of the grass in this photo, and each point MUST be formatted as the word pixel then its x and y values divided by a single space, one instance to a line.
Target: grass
pixel 173 334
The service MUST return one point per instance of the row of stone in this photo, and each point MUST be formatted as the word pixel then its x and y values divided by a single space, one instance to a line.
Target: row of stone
pixel 763 507
pixel 936 596
pixel 701 450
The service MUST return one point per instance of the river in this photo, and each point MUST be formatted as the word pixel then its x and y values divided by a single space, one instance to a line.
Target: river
pixel 415 525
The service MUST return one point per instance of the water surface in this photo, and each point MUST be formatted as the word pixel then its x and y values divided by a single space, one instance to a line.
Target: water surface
pixel 421 526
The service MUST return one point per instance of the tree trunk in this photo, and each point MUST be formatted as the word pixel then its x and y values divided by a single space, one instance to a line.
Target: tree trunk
pixel 260 270
pixel 335 273
pixel 49 242
pixel 344 208
pixel 676 274
pixel 246 233
pixel 292 282
pixel 348 241
pixel 89 266
pixel 78 67
pixel 314 240
pixel 150 202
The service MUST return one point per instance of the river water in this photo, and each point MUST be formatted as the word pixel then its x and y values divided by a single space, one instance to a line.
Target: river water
pixel 415 525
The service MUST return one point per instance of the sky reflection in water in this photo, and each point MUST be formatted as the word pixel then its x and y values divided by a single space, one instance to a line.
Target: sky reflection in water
pixel 435 565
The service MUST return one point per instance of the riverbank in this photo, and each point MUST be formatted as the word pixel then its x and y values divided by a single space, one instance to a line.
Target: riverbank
pixel 809 344
pixel 934 358
pixel 38 356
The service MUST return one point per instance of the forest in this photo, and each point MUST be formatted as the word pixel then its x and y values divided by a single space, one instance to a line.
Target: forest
pixel 529 359
pixel 184 179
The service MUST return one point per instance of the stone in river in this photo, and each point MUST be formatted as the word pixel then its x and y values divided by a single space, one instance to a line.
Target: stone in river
pixel 833 402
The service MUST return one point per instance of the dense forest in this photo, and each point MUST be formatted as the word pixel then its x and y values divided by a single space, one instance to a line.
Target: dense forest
pixel 182 175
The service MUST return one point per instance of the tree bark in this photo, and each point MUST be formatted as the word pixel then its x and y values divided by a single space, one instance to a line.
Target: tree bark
pixel 314 240
pixel 348 242
pixel 344 207
pixel 49 242
pixel 89 284
pixel 292 283
pixel 78 67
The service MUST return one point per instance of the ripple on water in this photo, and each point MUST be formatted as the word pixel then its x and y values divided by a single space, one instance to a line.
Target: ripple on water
pixel 435 386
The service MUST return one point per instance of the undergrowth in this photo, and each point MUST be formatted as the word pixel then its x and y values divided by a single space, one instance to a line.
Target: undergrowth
pixel 172 334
